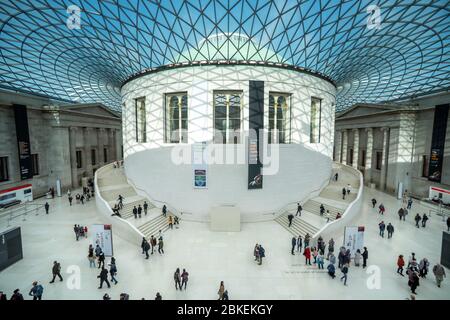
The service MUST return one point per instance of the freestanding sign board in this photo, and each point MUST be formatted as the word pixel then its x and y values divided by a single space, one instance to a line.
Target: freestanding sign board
pixel 354 239
pixel 102 235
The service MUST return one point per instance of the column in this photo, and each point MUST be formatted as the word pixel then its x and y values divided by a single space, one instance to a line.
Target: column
pixel 355 148
pixel 338 146
pixel 384 158
pixel 87 151
pixel 112 145
pixel 73 156
pixel 344 147
pixel 369 152
pixel 101 145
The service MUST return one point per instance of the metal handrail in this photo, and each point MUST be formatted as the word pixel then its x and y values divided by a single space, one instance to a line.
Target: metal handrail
pixel 34 208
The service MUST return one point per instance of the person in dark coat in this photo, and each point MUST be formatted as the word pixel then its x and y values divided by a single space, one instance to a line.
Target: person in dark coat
pixel 413 280
pixel 448 224
pixel 139 211
pixel 101 260
pixel 161 245
pixel 294 243
pixel 382 227
pixel 417 219
pixel 56 270
pixel 365 256
pixel 322 210
pixel 143 245
pixel 135 212
pixel 146 249
pixel 77 231
pixel 390 230
pixel 164 210
pixel 261 253
pixel 344 192
pixel 299 210
pixel 153 243
pixel 331 271
pixel 3 296
pixel 177 279
pixel 145 207
pixel 47 206
pixel 103 278
pixel 17 296
pixel 374 202
pixel 424 220
pixel 401 213
pixel 290 218
pixel 158 296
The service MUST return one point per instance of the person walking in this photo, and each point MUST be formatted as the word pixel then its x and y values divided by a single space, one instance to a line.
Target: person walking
pixel 439 274
pixel 77 231
pixel 139 210
pixel 143 244
pixel 85 232
pixel 358 257
pixel 164 210
pixel 400 265
pixel 341 257
pixel 299 243
pixel 103 276
pixel 349 188
pixel 314 254
pixel 320 261
pixel 344 273
pixel 70 200
pixel 101 260
pixel 161 245
pixel 374 202
pixel 307 254
pixel 16 296
pixel 307 238
pixel 170 222
pixel 113 270
pixel 381 208
pixel 36 291
pixel 405 213
pixel 290 218
pixel 330 248
pixel 299 210
pixel 135 212
pixel 98 250
pixel 321 210
pixel 336 176
pixel 82 199
pixel 91 256
pixel 409 204
pixel 365 256
pixel 417 219
pixel 344 192
pixel 390 230
pixel 331 271
pixel 46 206
pixel 401 213
pixel 145 207
pixel 413 280
pixel 294 243
pixel 332 258
pixel 256 252
pixel 261 253
pixel 423 268
pixel 153 243
pixel 184 279
pixel 177 279
pixel 382 227
pixel 146 249
pixel 221 290
pixel 158 296
pixel 120 199
pixel 424 220
pixel 56 271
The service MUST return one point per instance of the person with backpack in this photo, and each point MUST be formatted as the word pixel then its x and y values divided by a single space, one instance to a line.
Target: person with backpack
pixel 36 291
pixel 344 273
pixel 261 253
pixel 56 270
pixel 290 218
pixel 177 279
pixel 103 276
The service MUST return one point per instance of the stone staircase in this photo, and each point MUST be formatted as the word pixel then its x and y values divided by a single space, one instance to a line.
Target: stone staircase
pixel 153 226
pixel 313 206
pixel 298 227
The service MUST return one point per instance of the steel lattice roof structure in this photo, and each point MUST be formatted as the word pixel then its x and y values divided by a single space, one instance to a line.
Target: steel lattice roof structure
pixel 373 51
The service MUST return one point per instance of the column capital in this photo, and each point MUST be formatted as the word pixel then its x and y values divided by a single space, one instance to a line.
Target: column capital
pixel 368 129
pixel 385 129
pixel 73 128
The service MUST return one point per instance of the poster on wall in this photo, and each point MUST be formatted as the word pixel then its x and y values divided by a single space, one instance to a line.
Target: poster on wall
pixel 23 141
pixel 102 236
pixel 354 239
pixel 199 165
pixel 435 165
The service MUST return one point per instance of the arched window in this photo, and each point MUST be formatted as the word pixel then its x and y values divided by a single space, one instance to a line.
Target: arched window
pixel 279 118
pixel 176 117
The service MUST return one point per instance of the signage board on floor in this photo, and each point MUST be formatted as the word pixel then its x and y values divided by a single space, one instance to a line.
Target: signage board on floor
pixel 354 239
pixel 102 235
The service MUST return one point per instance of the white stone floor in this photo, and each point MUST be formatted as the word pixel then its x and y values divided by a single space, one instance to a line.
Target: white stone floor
pixel 211 257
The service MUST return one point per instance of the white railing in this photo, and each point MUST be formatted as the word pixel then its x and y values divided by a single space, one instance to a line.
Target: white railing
pixel 126 230
pixel 351 212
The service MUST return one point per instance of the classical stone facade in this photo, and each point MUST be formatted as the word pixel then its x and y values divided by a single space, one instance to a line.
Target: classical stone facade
pixel 391 143
pixel 58 131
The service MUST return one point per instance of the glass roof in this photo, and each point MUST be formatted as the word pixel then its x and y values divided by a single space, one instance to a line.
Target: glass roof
pixel 373 50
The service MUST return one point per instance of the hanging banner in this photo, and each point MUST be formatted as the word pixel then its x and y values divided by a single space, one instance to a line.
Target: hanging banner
pixel 199 165
pixel 23 141
pixel 256 125
pixel 354 239
pixel 102 235
pixel 438 142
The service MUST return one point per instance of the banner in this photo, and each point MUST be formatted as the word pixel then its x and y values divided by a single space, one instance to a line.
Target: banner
pixel 354 239
pixel 256 124
pixel 102 235
pixel 199 165
pixel 23 141
pixel 438 142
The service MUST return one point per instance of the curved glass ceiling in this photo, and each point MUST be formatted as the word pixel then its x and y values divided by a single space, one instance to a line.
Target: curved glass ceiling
pixel 373 53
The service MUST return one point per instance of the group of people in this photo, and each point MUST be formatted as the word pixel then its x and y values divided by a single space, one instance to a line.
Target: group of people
pixel 118 164
pixel 346 191
pixel 97 255
pixel 86 195
pixel 259 253
pixel 152 244
pixel 80 231
pixel 389 228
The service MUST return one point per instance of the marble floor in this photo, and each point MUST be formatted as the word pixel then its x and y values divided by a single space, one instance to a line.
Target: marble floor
pixel 211 257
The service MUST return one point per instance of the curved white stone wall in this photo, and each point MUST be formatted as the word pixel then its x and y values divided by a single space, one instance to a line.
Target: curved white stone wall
pixel 303 166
